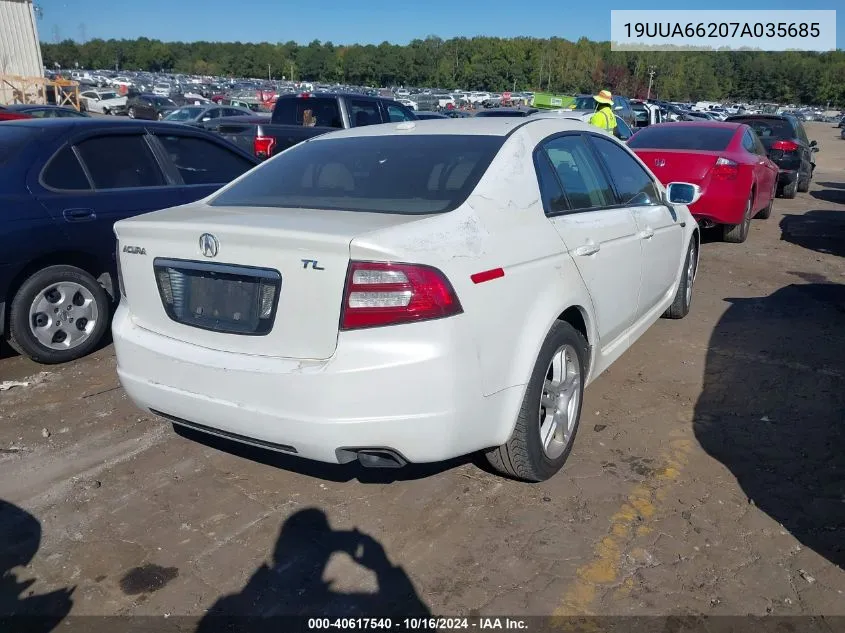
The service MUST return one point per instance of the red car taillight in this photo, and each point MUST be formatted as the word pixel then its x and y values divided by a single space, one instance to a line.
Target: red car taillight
pixel 263 146
pixel 382 293
pixel 785 146
pixel 725 169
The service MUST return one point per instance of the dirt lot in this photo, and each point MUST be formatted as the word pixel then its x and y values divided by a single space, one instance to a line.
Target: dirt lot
pixel 708 477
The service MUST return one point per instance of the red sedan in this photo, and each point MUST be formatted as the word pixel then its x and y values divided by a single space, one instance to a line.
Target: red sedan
pixel 727 160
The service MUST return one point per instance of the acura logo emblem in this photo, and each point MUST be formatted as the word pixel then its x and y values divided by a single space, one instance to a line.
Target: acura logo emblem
pixel 209 245
pixel 659 162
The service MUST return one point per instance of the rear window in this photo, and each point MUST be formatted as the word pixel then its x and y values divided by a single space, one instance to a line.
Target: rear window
pixel 13 138
pixel 308 112
pixel 708 139
pixel 407 175
pixel 770 128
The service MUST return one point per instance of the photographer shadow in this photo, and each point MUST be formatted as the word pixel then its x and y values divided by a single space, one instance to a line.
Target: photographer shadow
pixel 292 583
pixel 20 608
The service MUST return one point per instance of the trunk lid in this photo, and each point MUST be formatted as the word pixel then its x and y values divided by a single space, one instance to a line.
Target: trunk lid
pixel 678 165
pixel 215 301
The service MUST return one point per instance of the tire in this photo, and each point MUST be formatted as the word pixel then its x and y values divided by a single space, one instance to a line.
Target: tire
pixel 804 185
pixel 131 113
pixel 766 212
pixel 790 190
pixel 738 233
pixel 683 297
pixel 106 111
pixel 523 455
pixel 74 335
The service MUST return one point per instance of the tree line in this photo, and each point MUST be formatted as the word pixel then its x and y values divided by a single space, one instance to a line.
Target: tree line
pixel 486 63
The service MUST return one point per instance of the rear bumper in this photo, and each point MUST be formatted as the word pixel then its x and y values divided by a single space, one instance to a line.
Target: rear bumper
pixel 720 209
pixel 416 390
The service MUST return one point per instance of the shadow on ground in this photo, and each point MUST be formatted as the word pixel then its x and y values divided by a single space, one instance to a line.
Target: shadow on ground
pixel 320 470
pixel 20 538
pixel 832 185
pixel 293 584
pixel 773 408
pixel 836 196
pixel 822 231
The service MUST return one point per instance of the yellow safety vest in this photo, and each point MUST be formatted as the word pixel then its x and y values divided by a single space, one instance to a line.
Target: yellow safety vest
pixel 604 119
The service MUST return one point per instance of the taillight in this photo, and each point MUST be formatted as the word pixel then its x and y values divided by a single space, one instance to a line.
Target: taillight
pixel 725 169
pixel 382 293
pixel 785 146
pixel 263 146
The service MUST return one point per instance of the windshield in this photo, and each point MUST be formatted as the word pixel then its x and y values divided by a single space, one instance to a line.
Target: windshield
pixel 108 95
pixel 585 103
pixel 13 138
pixel 407 175
pixel 677 136
pixel 184 114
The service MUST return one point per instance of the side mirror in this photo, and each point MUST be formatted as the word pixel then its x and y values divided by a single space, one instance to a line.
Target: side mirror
pixel 813 143
pixel 682 193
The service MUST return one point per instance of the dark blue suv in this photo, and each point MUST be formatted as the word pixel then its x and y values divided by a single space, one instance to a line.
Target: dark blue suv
pixel 65 182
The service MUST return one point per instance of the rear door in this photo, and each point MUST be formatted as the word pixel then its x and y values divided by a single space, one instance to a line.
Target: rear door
pixel 199 164
pixel 765 171
pixel 602 237
pixel 96 180
pixel 659 228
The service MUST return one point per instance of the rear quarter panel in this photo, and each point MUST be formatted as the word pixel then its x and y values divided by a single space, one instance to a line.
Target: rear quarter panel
pixel 501 225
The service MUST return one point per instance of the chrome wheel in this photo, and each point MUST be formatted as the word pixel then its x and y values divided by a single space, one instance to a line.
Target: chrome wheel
pixel 690 275
pixel 559 402
pixel 63 316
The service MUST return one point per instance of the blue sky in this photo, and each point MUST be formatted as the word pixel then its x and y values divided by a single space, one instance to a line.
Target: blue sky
pixel 347 22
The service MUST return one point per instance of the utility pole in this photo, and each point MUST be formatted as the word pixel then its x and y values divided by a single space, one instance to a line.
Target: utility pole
pixel 269 78
pixel 650 80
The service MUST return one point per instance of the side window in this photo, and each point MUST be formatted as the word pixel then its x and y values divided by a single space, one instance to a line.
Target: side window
pixel 120 162
pixel 228 112
pixel 363 112
pixel 312 112
pixel 748 143
pixel 802 134
pixel 633 184
pixel 64 172
pixel 552 195
pixel 39 114
pixel 579 172
pixel 396 114
pixel 201 162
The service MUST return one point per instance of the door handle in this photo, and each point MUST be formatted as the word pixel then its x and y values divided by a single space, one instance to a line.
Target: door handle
pixel 79 215
pixel 588 249
pixel 647 234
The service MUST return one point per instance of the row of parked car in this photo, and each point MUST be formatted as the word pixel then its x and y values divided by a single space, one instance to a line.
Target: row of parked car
pixel 239 288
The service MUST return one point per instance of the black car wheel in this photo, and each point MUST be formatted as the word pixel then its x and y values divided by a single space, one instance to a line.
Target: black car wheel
pixel 790 189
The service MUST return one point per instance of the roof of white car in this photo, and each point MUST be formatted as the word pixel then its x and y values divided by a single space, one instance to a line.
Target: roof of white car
pixel 481 126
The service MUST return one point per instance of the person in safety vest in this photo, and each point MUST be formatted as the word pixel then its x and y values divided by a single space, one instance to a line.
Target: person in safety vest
pixel 603 116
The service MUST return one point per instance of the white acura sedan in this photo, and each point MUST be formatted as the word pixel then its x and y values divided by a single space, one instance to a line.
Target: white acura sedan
pixel 405 292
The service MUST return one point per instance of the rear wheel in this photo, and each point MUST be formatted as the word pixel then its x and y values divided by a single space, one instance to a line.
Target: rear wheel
pixel 683 297
pixel 58 314
pixel 738 233
pixel 551 409
pixel 804 185
pixel 790 189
